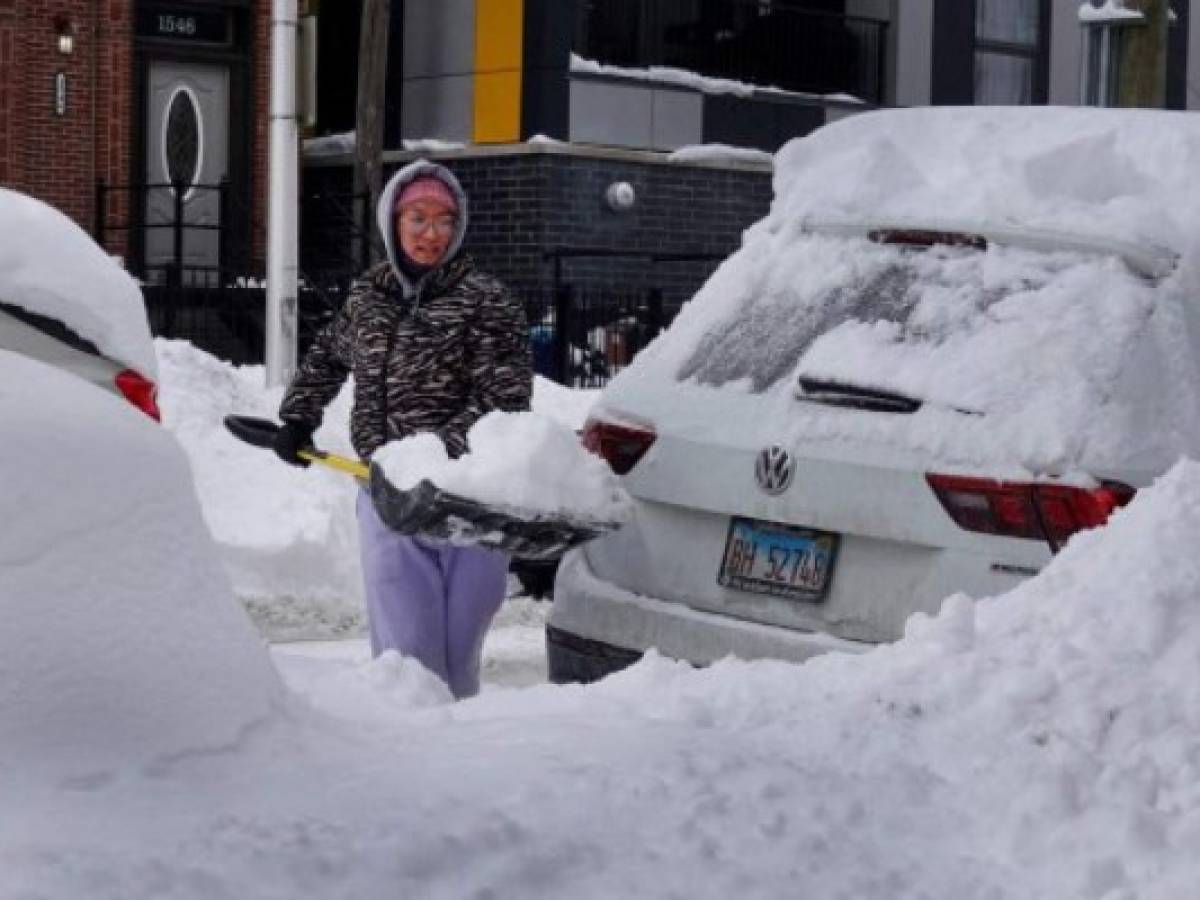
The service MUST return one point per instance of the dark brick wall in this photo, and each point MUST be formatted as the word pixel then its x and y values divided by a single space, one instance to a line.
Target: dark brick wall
pixel 58 158
pixel 526 205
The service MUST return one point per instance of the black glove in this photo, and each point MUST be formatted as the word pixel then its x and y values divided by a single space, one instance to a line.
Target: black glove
pixel 290 439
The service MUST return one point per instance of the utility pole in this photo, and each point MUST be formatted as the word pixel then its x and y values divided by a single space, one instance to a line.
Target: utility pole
pixel 372 85
pixel 1143 67
pixel 283 175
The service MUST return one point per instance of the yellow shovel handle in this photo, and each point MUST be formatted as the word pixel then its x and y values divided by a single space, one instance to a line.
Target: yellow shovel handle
pixel 355 467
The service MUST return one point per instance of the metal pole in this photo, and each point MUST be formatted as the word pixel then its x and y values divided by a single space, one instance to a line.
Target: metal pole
pixel 563 301
pixel 1104 95
pixel 178 186
pixel 283 177
pixel 101 217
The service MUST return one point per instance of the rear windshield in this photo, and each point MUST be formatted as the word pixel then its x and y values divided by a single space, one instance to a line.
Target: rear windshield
pixel 926 295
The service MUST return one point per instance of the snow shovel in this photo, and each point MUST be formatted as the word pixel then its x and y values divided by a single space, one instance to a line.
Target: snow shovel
pixel 428 511
pixel 261 433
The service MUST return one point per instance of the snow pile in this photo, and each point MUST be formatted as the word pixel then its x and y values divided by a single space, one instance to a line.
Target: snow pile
pixel 49 266
pixel 1038 744
pixel 342 680
pixel 287 536
pixel 121 642
pixel 522 461
pixel 1042 743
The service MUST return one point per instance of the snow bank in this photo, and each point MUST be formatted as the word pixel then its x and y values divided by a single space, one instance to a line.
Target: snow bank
pixel 522 461
pixel 1054 729
pixel 1038 744
pixel 287 536
pixel 49 266
pixel 121 642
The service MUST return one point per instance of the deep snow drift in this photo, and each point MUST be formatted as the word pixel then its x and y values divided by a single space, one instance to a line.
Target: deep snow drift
pixel 121 642
pixel 1045 743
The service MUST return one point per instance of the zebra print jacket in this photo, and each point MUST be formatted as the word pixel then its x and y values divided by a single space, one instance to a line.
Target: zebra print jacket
pixel 434 360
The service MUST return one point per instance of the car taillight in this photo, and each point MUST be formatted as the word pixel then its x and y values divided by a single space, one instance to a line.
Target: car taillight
pixel 621 445
pixel 1048 512
pixel 140 391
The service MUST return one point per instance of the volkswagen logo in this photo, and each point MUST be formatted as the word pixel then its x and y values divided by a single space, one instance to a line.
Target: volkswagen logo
pixel 773 470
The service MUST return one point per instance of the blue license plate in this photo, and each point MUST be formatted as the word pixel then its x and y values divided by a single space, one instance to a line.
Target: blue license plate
pixel 776 559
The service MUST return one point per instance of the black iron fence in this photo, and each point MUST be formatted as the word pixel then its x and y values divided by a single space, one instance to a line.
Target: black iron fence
pixel 200 278
pixel 583 334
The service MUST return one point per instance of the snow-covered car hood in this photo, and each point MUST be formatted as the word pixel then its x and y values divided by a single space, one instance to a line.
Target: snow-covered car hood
pixel 49 266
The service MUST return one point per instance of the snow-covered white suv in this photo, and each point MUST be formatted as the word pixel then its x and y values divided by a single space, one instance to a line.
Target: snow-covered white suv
pixel 65 302
pixel 960 337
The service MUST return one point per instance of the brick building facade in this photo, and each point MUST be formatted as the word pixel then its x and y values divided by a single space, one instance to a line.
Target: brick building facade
pixel 79 127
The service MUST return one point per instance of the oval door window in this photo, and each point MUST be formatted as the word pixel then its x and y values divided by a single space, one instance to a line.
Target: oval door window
pixel 182 139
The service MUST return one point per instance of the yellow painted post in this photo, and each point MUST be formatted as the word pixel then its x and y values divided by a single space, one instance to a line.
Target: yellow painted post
pixel 499 28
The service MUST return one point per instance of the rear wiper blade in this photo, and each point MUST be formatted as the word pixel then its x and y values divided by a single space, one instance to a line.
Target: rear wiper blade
pixel 852 396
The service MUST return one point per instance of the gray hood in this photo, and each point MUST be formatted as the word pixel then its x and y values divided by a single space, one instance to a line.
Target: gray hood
pixel 385 217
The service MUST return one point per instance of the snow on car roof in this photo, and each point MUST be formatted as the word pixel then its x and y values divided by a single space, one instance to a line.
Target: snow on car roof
pixel 50 266
pixel 1092 224
pixel 1116 174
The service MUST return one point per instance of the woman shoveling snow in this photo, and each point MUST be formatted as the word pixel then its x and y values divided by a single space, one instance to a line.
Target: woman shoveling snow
pixel 433 345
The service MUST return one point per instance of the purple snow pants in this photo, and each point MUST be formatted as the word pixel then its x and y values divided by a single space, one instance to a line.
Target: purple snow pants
pixel 429 600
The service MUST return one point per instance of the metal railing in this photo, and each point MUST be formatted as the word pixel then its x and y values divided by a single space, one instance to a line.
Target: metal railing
pixel 582 335
pixel 218 305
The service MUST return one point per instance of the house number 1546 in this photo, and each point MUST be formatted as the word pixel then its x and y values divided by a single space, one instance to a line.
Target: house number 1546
pixel 183 25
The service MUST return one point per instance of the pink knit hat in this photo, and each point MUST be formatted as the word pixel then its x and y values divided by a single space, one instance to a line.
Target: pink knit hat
pixel 427 187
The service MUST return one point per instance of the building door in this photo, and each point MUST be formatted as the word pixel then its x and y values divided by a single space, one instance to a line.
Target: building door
pixel 187 142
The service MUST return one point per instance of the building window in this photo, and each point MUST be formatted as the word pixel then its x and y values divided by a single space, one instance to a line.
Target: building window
pixel 1010 49
pixel 181 141
pixel 810 46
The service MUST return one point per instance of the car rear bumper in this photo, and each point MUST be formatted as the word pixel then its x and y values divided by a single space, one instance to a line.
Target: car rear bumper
pixel 596 627
pixel 571 658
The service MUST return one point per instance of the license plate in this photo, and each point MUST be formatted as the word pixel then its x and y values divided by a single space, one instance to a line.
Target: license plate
pixel 781 560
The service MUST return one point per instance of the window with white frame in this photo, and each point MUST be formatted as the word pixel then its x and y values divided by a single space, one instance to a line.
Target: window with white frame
pixel 1009 45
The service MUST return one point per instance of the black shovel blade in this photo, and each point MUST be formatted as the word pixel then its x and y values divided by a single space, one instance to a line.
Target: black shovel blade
pixel 428 511
pixel 259 432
